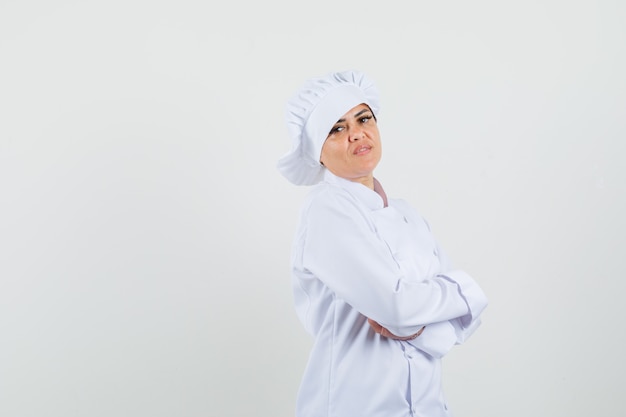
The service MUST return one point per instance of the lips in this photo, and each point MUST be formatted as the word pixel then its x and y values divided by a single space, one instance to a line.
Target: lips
pixel 362 150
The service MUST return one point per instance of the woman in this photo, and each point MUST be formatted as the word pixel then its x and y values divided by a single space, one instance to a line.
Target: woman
pixel 370 282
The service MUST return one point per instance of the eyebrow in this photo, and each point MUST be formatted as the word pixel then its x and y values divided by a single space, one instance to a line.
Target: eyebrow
pixel 361 112
pixel 355 116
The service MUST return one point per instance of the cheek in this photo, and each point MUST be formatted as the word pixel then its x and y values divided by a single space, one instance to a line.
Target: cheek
pixel 375 133
pixel 326 157
pixel 329 152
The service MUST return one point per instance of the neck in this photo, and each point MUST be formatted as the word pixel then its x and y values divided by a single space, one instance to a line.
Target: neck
pixel 367 181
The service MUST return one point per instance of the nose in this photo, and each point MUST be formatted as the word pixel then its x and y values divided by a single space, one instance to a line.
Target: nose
pixel 356 134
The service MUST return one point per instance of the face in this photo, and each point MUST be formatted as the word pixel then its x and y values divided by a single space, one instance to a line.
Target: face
pixel 353 149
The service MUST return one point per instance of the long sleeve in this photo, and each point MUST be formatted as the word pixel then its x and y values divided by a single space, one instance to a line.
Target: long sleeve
pixel 343 249
pixel 466 325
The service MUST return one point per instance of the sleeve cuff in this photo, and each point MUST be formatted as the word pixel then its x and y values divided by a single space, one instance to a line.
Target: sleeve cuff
pixel 474 296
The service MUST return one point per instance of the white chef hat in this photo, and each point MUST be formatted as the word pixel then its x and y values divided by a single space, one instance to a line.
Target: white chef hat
pixel 312 112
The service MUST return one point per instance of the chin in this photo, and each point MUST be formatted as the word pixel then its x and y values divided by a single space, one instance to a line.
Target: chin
pixel 369 167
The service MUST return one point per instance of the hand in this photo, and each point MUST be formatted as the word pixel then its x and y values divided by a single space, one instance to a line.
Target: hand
pixel 386 333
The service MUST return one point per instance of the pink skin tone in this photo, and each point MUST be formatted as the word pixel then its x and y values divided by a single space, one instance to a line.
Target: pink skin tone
pixel 386 333
pixel 352 150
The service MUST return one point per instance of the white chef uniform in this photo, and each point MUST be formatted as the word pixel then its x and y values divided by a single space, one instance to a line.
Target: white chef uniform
pixel 353 259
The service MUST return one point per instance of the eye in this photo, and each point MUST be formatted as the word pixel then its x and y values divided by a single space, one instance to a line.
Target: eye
pixel 365 119
pixel 336 129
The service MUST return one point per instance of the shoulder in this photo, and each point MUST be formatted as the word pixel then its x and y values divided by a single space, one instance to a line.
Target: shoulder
pixel 325 196
pixel 330 205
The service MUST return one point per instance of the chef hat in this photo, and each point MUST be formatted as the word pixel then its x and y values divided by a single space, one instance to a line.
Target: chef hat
pixel 312 112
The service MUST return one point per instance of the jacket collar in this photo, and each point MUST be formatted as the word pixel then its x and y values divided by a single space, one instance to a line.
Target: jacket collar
pixel 373 199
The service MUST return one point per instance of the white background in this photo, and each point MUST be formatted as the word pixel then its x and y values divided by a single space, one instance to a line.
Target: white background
pixel 145 232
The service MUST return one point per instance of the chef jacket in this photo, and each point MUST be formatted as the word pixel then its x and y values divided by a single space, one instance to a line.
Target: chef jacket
pixel 355 258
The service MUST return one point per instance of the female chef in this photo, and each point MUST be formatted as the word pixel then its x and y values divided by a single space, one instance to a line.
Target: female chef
pixel 370 283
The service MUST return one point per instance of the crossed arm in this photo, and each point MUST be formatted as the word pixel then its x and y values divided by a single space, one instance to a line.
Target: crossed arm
pixel 343 251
